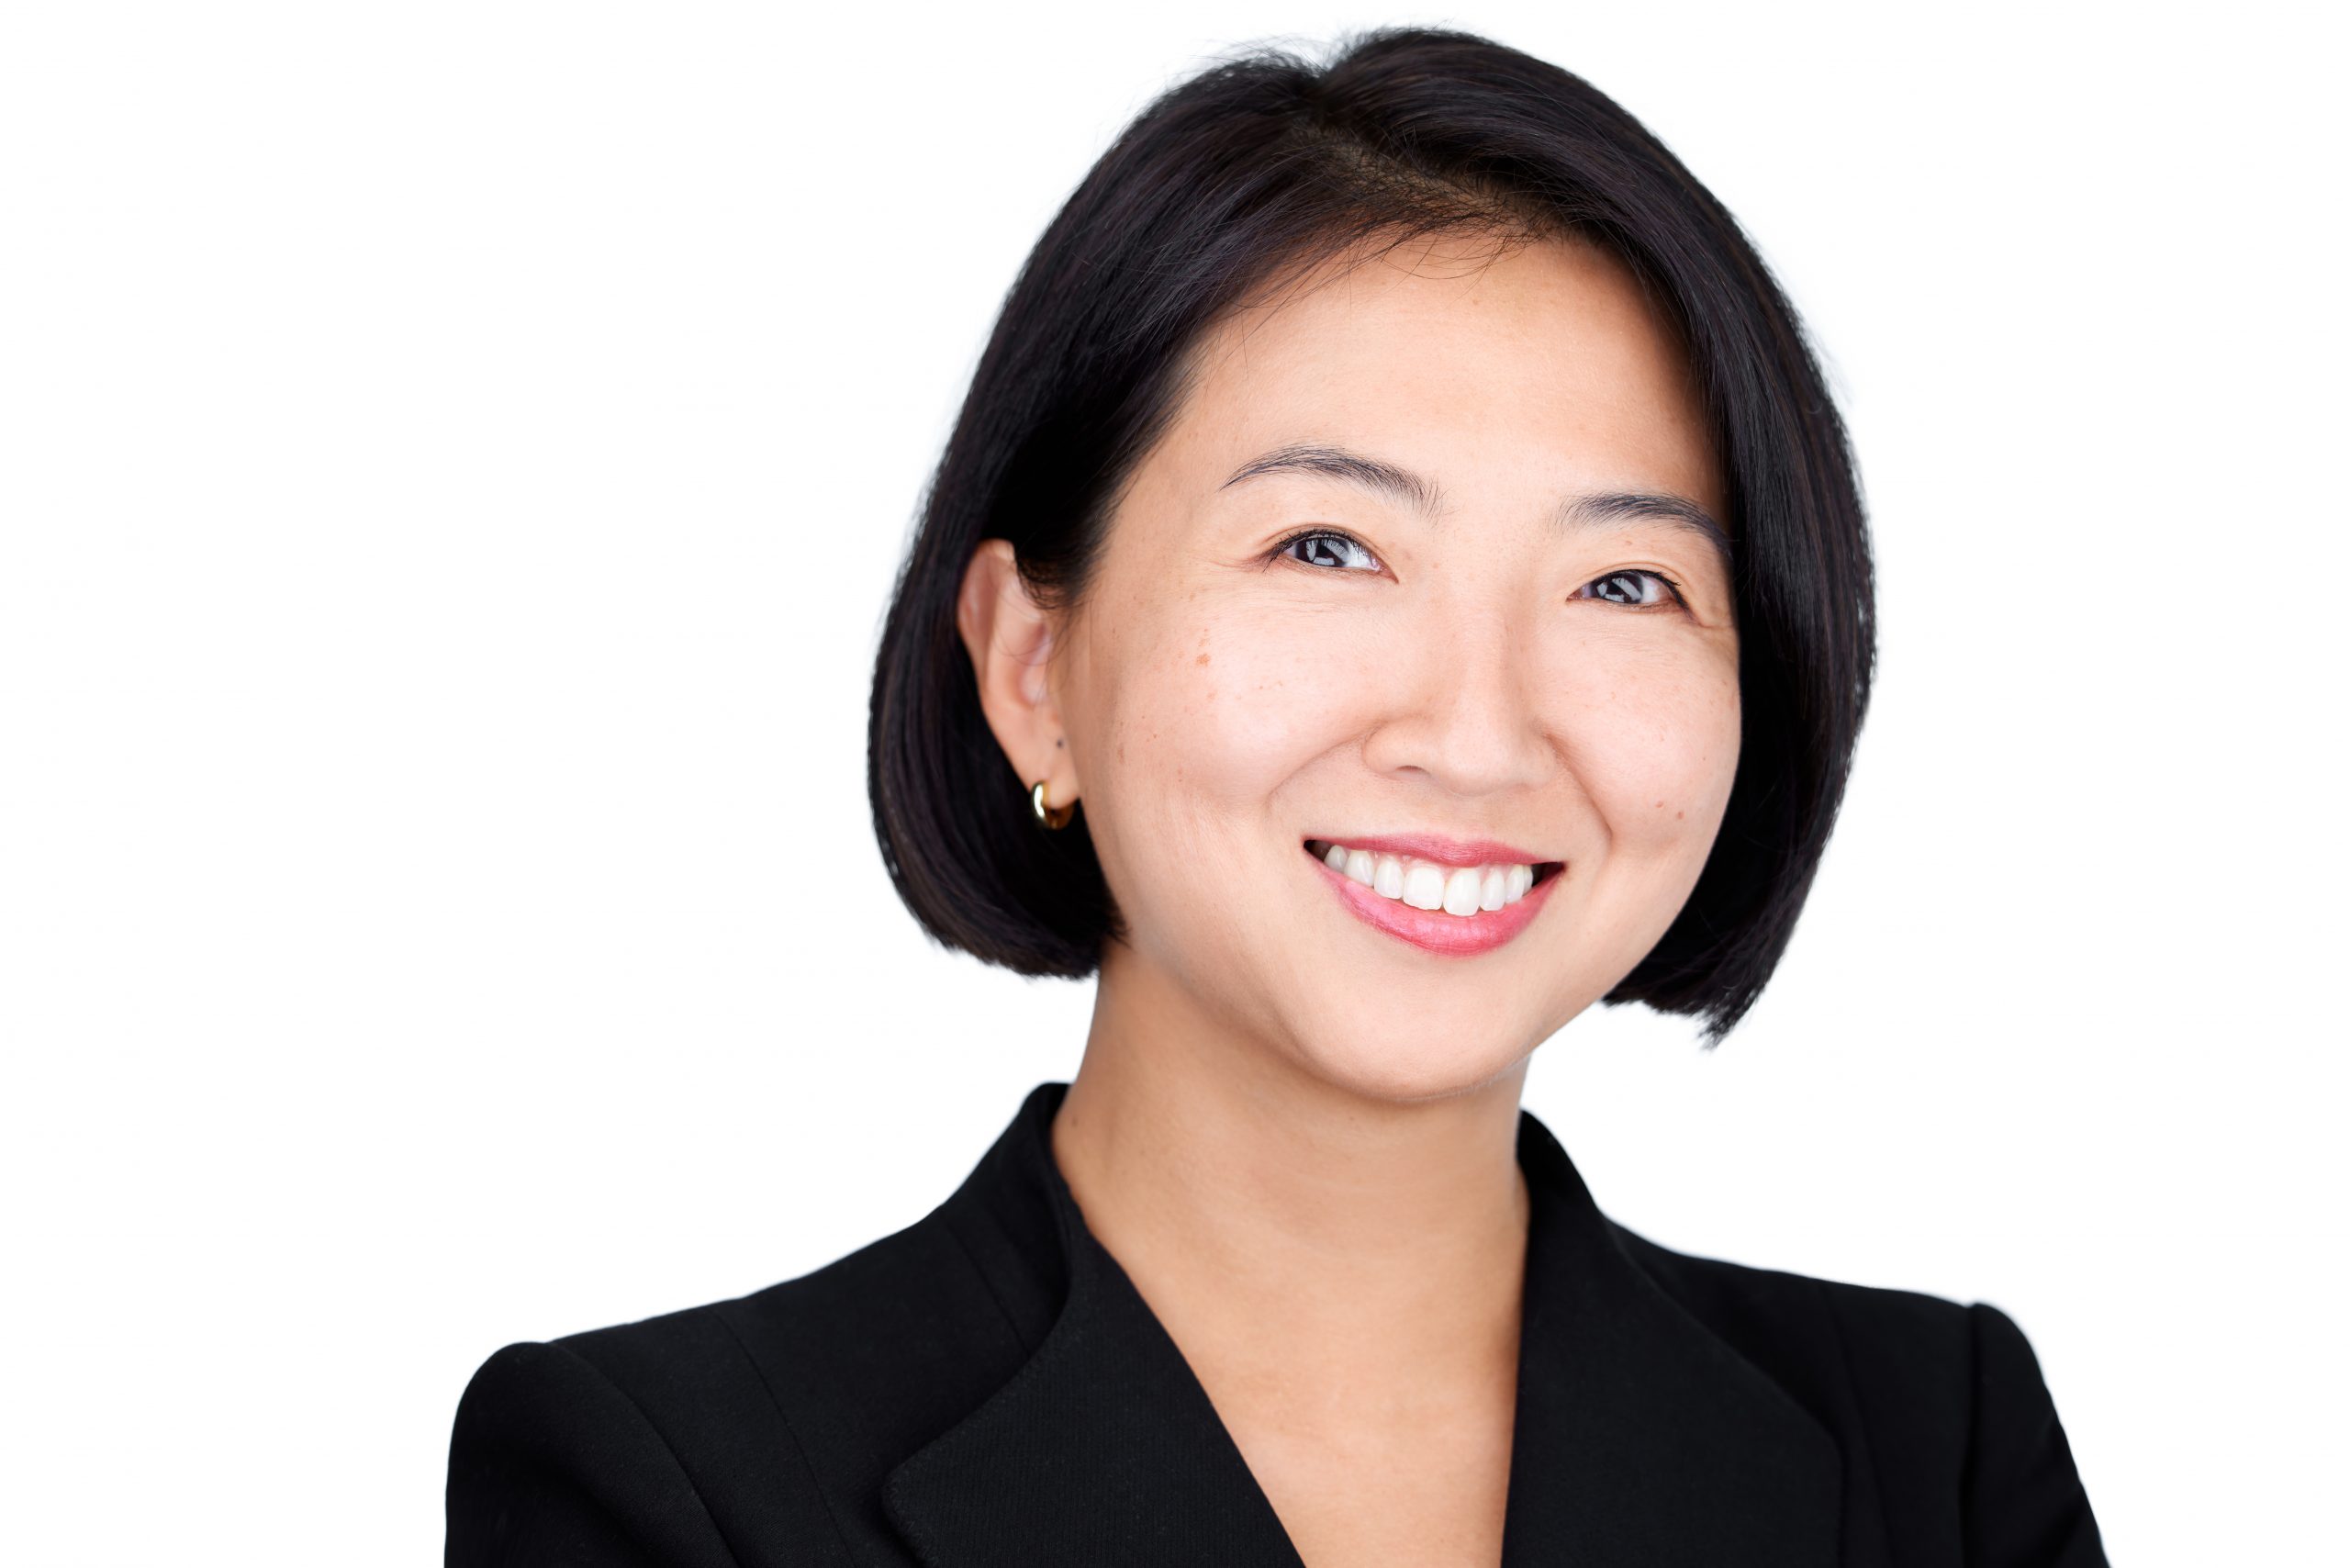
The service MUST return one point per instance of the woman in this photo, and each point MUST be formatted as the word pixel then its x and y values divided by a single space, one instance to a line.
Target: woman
pixel 1398 580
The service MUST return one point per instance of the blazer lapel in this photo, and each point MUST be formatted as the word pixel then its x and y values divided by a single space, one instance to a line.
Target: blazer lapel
pixel 1641 1439
pixel 1104 1448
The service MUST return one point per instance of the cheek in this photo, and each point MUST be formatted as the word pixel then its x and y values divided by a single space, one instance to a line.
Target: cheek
pixel 1208 721
pixel 1655 737
pixel 1220 709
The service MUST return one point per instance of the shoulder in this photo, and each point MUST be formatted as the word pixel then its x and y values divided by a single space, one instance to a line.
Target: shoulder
pixel 719 1432
pixel 1940 1406
pixel 1812 1334
pixel 646 1443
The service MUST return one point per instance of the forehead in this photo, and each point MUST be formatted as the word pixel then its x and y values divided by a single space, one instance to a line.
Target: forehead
pixel 1539 366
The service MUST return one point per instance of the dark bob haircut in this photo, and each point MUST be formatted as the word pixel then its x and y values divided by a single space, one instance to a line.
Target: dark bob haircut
pixel 1252 170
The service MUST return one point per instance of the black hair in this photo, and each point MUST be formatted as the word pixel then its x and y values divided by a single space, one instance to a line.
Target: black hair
pixel 1255 168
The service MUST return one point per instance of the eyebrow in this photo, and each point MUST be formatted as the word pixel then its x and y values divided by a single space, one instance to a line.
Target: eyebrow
pixel 1422 495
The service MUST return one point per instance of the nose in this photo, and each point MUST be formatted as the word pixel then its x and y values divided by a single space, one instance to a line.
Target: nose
pixel 1465 711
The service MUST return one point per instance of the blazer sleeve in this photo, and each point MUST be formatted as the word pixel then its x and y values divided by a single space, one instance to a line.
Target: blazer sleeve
pixel 551 1463
pixel 2024 1504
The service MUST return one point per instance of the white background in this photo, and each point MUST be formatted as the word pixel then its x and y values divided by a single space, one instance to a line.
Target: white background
pixel 453 461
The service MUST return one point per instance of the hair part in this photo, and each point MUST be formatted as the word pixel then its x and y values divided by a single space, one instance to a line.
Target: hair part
pixel 1245 180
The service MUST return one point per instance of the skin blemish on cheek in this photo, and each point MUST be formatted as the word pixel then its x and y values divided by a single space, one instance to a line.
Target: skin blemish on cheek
pixel 1201 660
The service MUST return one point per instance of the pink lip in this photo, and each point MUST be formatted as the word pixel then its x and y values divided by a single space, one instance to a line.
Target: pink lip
pixel 1454 936
pixel 1437 847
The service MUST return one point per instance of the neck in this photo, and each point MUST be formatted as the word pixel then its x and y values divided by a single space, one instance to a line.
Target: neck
pixel 1293 1235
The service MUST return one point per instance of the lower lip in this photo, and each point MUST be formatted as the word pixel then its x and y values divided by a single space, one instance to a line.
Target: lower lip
pixel 1454 936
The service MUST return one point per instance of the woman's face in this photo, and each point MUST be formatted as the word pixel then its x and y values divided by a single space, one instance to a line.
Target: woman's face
pixel 1486 650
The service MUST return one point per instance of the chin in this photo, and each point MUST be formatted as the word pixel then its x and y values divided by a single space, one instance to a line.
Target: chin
pixel 1393 1059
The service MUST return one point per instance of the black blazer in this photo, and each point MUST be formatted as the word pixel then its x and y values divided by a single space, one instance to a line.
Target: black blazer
pixel 986 1388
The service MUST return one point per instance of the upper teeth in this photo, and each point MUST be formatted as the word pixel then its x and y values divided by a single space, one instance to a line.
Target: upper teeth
pixel 1426 884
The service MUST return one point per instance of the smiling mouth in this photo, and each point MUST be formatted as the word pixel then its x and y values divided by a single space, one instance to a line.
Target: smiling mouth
pixel 1462 891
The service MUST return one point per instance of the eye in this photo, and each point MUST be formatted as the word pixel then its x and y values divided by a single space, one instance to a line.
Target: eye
pixel 1629 588
pixel 1325 547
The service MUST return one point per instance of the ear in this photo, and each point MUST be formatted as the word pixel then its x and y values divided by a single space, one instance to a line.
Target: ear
pixel 1011 641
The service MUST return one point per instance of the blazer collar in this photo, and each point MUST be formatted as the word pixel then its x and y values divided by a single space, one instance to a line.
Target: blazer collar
pixel 1640 1436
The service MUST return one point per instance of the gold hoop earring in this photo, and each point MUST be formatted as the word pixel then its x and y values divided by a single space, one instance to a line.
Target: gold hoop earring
pixel 1051 816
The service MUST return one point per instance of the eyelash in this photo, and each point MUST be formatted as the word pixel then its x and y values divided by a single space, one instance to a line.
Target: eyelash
pixel 1282 548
